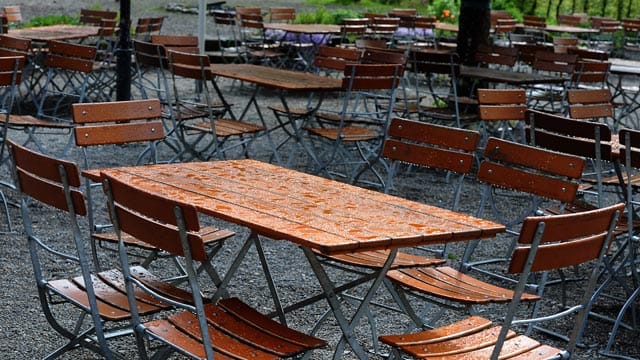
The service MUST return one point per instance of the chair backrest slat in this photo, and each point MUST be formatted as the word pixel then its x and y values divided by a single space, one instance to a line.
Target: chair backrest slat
pixel 579 237
pixel 39 176
pixel 431 145
pixel 117 122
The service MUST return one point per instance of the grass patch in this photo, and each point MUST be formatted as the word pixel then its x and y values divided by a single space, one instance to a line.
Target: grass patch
pixel 52 20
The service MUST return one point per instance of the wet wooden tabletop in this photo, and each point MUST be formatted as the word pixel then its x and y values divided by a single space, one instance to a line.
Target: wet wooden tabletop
pixel 277 78
pixel 304 28
pixel 308 210
pixel 55 32
pixel 508 76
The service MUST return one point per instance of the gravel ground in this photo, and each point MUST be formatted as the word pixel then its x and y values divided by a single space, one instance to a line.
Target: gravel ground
pixel 25 334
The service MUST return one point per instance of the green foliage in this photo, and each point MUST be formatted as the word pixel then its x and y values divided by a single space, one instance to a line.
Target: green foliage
pixel 512 7
pixel 444 10
pixel 52 20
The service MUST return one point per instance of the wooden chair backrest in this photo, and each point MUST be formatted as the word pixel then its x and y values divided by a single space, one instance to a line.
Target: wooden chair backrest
pixel 431 145
pixel 372 76
pixel 39 176
pixel 580 237
pixel 11 71
pixel 384 25
pixel 335 58
pixel 93 17
pixel 562 44
pixel 590 103
pixel 591 72
pixel 589 54
pixel 251 21
pixel 571 20
pixel 282 14
pixel 403 12
pixel 383 56
pixel 499 15
pixel 502 104
pixel 531 170
pixel 534 21
pixel 434 62
pixel 148 54
pixel 190 65
pixel 425 22
pixel 69 56
pixel 186 43
pixel 149 25
pixel 222 17
pixel 151 218
pixel 248 11
pixel 527 51
pixel 117 122
pixel 13 14
pixel 12 46
pixel 568 136
pixel 371 43
pixel 353 26
pixel 498 55
pixel 629 140
pixel 553 62
pixel 505 25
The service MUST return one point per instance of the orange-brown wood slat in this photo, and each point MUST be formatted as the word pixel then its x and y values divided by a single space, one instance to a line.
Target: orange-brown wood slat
pixel 127 110
pixel 427 156
pixel 528 182
pixel 242 311
pixel 437 135
pixel 187 322
pixel 556 163
pixel 72 292
pixel 457 346
pixel 169 333
pixel 454 330
pixel 118 133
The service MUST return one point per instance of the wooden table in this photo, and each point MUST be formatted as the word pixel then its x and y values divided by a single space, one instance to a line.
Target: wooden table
pixel 282 82
pixel 55 32
pixel 626 91
pixel 313 212
pixel 303 40
pixel 508 77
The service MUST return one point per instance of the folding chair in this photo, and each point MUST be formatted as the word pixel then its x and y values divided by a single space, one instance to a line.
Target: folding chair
pixel 228 47
pixel 513 172
pixel 125 122
pixel 625 271
pixel 352 29
pixel 353 127
pixel 581 238
pixel 534 26
pixel 94 17
pixel 147 26
pixel 496 56
pixel 328 60
pixel 205 126
pixel 590 140
pixel 200 330
pixel 500 111
pixel 13 14
pixel 96 300
pixel 184 43
pixel 441 71
pixel 551 97
pixel 73 76
pixel 590 74
pixel 282 14
pixel 260 50
pixel 425 32
pixel 10 78
pixel 591 104
pixel 152 80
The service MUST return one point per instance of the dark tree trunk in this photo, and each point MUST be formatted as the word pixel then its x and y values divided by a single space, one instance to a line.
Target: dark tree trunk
pixel 475 22
pixel 558 8
pixel 534 5
pixel 573 6
pixel 123 64
pixel 585 6
pixel 549 9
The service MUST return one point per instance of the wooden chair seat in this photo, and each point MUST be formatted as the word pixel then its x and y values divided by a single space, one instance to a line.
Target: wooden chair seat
pixel 225 127
pixel 376 259
pixel 335 117
pixel 31 121
pixel 209 234
pixel 347 133
pixel 471 338
pixel 448 283
pixel 237 331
